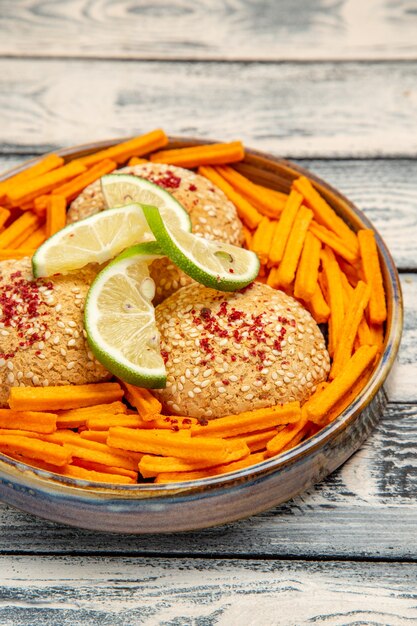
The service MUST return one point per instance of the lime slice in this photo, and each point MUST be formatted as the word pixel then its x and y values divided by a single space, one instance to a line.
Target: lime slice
pixel 95 239
pixel 121 189
pixel 212 263
pixel 120 320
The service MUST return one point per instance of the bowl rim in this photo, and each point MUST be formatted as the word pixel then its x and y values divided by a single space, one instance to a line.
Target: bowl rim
pixel 83 488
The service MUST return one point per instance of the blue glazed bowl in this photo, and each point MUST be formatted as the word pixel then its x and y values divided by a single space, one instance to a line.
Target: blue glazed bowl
pixel 148 508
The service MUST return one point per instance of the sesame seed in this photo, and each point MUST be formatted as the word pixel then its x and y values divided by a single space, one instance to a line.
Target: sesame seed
pixel 2 362
pixel 205 383
pixel 60 324
pixel 233 378
pixel 249 396
pixel 35 380
pixel 245 388
pixel 10 378
pixel 71 343
pixel 29 375
pixel 45 382
pixel 63 352
pixel 19 375
pixel 191 394
pixel 58 308
pixel 70 365
pixel 10 365
pixel 72 324
pixel 207 373
pixel 56 340
pixel 197 390
pixel 221 389
pixel 5 333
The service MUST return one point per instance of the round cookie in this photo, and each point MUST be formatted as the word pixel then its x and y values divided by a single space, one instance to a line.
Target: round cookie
pixel 231 352
pixel 42 338
pixel 212 215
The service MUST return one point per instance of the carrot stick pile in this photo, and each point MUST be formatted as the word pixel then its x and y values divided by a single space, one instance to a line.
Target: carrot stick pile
pixel 117 433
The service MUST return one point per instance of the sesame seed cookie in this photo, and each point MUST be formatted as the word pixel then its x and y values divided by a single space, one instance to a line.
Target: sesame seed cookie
pixel 42 337
pixel 231 352
pixel 212 215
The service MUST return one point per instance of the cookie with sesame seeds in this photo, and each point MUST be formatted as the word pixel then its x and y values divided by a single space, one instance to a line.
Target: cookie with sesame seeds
pixel 212 215
pixel 42 337
pixel 231 352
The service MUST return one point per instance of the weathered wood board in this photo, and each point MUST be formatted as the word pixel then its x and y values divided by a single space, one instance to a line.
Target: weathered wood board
pixel 210 29
pixel 126 591
pixel 290 109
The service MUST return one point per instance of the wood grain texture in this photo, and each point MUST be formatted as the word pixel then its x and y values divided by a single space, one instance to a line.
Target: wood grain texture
pixel 366 509
pixel 290 109
pixel 385 190
pixel 159 591
pixel 210 30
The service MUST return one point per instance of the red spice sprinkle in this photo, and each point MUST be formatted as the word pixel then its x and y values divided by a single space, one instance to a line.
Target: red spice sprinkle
pixel 192 188
pixel 168 180
pixel 164 355
pixel 175 428
pixel 20 305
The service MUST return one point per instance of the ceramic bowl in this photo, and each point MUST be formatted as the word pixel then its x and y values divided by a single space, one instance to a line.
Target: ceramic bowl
pixel 148 508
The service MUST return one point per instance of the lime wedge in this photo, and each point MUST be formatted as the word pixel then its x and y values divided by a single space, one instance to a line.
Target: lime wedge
pixel 95 239
pixel 215 264
pixel 120 320
pixel 121 189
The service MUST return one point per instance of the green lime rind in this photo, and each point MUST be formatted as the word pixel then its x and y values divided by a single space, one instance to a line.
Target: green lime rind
pixel 114 357
pixel 226 277
pixel 121 189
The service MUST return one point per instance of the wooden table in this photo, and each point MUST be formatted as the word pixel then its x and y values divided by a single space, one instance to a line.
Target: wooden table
pixel 332 84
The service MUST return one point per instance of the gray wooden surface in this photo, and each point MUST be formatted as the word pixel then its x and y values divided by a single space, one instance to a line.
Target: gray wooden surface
pixel 332 84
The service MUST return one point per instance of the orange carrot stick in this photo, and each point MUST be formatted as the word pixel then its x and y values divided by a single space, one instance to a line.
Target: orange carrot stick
pixel 324 213
pixel 292 253
pixel 209 154
pixel 35 239
pixel 143 400
pixel 150 465
pixel 265 200
pixel 334 242
pixel 248 214
pixel 174 477
pixel 308 269
pixel 284 226
pixel 284 437
pixel 262 239
pixel 65 397
pixel 257 441
pixel 333 279
pixel 377 335
pixel 73 418
pixel 43 184
pixel 351 321
pixel 377 308
pixel 250 421
pixel 318 306
pixel 36 449
pixel 104 422
pixel 74 471
pixel 28 420
pixel 106 469
pixel 172 444
pixel 4 216
pixel 26 223
pixel 137 146
pixel 91 450
pixel 45 165
pixel 56 214
pixel 74 187
pixel 136 161
pixel 318 407
pixel 100 436
pixel 15 253
pixel 248 236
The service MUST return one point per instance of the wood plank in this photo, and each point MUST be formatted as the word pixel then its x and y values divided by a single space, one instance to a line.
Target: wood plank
pixel 366 509
pixel 158 591
pixel 386 190
pixel 318 29
pixel 292 109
